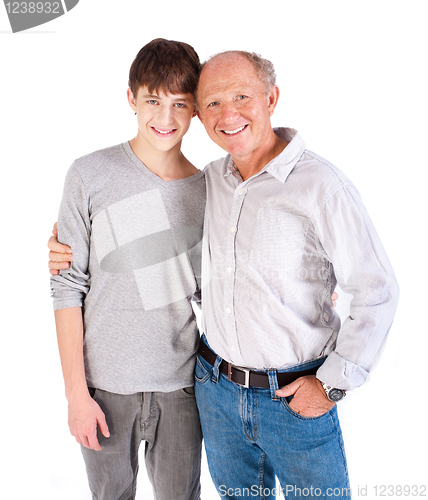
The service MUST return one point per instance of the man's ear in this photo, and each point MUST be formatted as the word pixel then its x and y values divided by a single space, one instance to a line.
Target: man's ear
pixel 131 99
pixel 273 97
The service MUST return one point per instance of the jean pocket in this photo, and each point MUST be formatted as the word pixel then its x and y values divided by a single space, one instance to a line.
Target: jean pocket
pixel 286 403
pixel 92 392
pixel 203 370
pixel 189 391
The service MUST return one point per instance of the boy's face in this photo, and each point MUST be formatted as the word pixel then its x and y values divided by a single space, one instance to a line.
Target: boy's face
pixel 163 119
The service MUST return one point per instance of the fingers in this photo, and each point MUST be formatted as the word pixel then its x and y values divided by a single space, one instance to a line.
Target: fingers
pixel 309 397
pixel 57 247
pixel 102 425
pixel 57 261
pixel 289 389
pixel 334 298
pixel 87 437
pixel 85 416
pixel 89 440
pixel 93 443
pixel 55 267
pixel 60 255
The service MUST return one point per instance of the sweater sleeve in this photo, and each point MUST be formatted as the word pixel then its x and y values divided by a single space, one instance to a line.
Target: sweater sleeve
pixel 69 288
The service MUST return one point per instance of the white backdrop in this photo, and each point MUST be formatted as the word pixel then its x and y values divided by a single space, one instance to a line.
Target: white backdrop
pixel 353 81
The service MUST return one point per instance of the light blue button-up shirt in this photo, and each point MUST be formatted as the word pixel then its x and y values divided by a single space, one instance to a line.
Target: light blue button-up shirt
pixel 274 248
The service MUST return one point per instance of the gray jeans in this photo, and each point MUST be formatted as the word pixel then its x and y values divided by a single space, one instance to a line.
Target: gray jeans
pixel 169 424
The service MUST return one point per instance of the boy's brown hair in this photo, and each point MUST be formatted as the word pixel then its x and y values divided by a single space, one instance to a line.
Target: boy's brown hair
pixel 165 65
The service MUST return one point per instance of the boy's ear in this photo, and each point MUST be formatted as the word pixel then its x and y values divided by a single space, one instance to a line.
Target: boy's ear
pixel 131 99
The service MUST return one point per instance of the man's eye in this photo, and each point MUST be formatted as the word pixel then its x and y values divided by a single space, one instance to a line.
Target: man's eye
pixel 213 104
pixel 241 97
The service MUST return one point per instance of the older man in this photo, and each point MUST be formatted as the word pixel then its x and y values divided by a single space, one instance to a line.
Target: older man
pixel 282 226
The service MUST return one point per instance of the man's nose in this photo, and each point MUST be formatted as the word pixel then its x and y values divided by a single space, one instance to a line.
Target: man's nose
pixel 230 113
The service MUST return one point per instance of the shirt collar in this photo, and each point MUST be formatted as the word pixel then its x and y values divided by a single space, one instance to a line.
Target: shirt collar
pixel 282 165
pixel 230 167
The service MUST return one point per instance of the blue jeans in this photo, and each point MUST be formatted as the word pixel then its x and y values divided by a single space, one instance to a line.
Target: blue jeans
pixel 251 435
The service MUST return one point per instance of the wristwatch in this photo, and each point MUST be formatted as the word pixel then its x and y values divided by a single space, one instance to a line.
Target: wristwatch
pixel 332 393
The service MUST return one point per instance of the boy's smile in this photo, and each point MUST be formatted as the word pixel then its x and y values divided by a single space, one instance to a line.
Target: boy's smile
pixel 163 132
pixel 163 118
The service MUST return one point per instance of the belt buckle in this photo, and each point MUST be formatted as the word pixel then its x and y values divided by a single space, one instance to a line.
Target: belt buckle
pixel 246 384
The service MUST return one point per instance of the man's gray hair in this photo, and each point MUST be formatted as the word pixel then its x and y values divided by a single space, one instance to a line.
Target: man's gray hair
pixel 263 67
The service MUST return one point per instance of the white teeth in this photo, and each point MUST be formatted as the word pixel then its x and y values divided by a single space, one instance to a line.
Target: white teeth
pixel 231 132
pixel 163 131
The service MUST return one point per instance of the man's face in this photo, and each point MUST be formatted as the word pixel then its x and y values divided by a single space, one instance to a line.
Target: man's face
pixel 234 106
pixel 163 118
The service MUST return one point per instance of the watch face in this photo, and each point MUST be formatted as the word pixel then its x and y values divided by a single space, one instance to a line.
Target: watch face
pixel 335 394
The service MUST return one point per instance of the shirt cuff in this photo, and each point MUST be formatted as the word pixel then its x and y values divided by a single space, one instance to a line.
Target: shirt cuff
pixel 340 373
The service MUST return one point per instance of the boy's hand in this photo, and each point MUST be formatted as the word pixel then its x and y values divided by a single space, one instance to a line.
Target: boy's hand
pixel 84 414
pixel 334 298
pixel 60 255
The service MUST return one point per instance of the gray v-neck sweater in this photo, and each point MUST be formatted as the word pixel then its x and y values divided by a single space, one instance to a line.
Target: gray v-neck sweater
pixel 136 243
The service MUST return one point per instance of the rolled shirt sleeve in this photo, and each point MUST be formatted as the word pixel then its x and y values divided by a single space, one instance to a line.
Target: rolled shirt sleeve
pixel 363 270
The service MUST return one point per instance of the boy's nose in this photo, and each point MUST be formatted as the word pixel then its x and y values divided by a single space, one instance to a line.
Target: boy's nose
pixel 165 116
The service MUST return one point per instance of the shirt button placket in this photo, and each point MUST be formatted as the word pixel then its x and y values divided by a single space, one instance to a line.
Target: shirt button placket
pixel 230 266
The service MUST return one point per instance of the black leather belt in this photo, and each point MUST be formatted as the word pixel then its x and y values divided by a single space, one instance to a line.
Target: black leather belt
pixel 250 378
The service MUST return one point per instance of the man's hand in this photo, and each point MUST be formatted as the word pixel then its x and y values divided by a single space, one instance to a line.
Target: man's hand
pixel 60 255
pixel 84 414
pixel 310 399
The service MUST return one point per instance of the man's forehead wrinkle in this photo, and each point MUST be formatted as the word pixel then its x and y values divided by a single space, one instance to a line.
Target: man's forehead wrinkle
pixel 221 86
pixel 224 70
pixel 210 89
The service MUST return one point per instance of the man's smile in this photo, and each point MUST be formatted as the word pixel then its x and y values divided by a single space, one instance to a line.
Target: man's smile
pixel 236 131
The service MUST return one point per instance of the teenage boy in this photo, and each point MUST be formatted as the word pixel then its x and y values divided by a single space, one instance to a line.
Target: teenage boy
pixel 127 334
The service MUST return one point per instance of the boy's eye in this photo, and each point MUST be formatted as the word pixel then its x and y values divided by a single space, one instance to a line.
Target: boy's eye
pixel 152 101
pixel 180 105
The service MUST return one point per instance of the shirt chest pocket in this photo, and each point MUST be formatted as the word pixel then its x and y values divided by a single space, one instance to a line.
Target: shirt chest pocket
pixel 278 240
